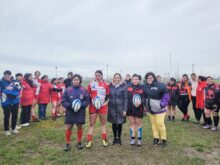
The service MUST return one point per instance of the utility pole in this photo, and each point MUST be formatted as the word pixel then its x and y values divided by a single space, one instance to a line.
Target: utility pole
pixel 193 68
pixel 107 72
pixel 170 65
pixel 56 70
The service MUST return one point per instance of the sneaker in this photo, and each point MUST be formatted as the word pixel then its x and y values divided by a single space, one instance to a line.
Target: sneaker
pixel 155 142
pixel 15 131
pixel 196 122
pixel 214 128
pixel 79 145
pixel 59 115
pixel 173 118
pixel 7 133
pixel 163 143
pixel 25 125
pixel 133 141
pixel 18 127
pixel 67 147
pixel 105 143
pixel 88 144
pixel 139 142
pixel 207 126
pixel 169 118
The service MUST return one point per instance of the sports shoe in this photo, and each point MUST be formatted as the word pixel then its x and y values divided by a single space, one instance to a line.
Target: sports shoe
pixel 88 144
pixel 139 142
pixel 155 142
pixel 105 143
pixel 214 128
pixel 15 131
pixel 17 127
pixel 67 147
pixel 7 133
pixel 79 145
pixel 207 126
pixel 133 141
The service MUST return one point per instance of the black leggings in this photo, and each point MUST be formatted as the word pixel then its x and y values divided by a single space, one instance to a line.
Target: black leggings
pixel 25 114
pixel 9 110
pixel 117 129
pixel 183 105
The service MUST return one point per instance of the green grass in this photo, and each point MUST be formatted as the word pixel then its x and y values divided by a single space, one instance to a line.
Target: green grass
pixel 42 143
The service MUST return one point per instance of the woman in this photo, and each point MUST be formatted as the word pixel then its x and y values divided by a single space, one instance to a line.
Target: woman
pixel 37 84
pixel 27 99
pixel 44 97
pixel 117 106
pixel 200 97
pixel 157 98
pixel 76 91
pixel 101 89
pixel 173 90
pixel 184 97
pixel 212 95
pixel 10 98
pixel 55 96
pixel 135 111
pixel 60 107
pixel 194 83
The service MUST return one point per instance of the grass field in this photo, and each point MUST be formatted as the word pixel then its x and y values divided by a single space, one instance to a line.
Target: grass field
pixel 42 143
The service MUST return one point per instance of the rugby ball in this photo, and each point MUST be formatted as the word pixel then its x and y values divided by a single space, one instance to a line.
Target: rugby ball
pixel 97 102
pixel 76 105
pixel 136 100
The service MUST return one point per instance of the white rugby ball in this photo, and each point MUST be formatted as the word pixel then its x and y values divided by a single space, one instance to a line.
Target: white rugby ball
pixel 136 100
pixel 97 102
pixel 76 105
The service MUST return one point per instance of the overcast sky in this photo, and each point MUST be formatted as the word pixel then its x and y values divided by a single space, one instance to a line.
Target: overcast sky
pixel 131 36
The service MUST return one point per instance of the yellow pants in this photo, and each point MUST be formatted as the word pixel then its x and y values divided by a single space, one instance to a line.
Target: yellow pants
pixel 158 126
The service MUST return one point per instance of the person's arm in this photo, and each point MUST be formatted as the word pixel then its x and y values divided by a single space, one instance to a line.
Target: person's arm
pixel 65 100
pixel 165 97
pixel 125 95
pixel 86 100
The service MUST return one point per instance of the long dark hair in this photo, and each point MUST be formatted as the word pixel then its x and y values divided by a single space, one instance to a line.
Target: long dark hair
pixel 78 76
pixel 150 74
pixel 26 78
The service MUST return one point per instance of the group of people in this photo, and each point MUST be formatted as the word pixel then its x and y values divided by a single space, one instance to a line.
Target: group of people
pixel 204 94
pixel 120 99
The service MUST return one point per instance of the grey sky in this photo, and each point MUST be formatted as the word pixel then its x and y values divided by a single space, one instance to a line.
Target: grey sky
pixel 134 36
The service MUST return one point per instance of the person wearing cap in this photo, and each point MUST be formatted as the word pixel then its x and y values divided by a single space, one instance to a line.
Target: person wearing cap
pixel 10 98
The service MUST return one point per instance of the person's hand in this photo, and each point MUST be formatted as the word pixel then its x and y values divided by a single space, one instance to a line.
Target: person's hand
pixel 124 113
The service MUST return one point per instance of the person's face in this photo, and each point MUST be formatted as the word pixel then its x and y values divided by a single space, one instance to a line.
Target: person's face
pixel 69 76
pixel 135 80
pixel 76 81
pixel 30 78
pixel 210 81
pixel 45 79
pixel 159 78
pixel 117 79
pixel 7 77
pixel 150 79
pixel 193 77
pixel 127 77
pixel 171 82
pixel 55 81
pixel 19 78
pixel 37 75
pixel 62 80
pixel 98 77
pixel 184 79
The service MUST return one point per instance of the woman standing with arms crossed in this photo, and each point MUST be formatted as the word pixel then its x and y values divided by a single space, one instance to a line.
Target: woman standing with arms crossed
pixel 118 105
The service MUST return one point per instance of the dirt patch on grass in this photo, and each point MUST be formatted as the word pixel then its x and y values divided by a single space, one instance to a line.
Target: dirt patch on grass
pixel 211 157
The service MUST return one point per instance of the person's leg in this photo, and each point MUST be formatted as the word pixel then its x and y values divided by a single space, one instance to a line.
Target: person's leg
pixel 119 133
pixel 44 110
pixel 102 118
pixel 28 114
pixel 68 134
pixel 79 136
pixel 154 127
pixel 161 125
pixel 54 108
pixel 185 109
pixel 208 119
pixel 199 114
pixel 194 107
pixel 138 122
pixel 132 127
pixel 23 115
pixel 114 130
pixel 40 111
pixel 7 113
pixel 169 112
pixel 180 106
pixel 14 118
pixel 173 113
pixel 92 120
pixel 216 120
